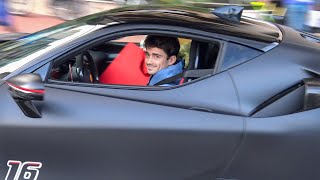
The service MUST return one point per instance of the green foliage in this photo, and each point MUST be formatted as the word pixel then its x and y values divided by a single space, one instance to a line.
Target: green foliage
pixel 184 50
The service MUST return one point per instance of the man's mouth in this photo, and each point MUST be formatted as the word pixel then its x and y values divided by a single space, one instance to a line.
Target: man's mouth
pixel 150 67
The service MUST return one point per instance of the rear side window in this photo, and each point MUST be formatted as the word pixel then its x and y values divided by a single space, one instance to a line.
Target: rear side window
pixel 235 54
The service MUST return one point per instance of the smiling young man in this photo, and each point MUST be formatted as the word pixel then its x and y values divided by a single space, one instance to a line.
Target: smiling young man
pixel 162 59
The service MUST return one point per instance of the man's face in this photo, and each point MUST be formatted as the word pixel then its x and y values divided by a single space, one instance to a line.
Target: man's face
pixel 156 59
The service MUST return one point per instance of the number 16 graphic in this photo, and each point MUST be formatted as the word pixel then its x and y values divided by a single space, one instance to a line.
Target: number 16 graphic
pixel 26 170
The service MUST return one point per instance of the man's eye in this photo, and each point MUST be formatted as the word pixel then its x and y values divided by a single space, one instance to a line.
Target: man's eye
pixel 158 56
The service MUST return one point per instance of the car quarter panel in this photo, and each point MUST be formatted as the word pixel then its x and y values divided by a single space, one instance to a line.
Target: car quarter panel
pixel 279 147
pixel 275 71
pixel 283 147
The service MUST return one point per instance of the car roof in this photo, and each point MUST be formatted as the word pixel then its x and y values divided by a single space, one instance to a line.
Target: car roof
pixel 197 18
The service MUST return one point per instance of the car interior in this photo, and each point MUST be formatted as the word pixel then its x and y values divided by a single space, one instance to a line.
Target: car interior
pixel 121 61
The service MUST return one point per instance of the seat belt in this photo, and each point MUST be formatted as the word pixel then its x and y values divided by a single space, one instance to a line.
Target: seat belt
pixel 186 74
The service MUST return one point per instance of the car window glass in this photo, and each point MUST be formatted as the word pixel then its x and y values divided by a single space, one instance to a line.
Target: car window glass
pixel 235 54
pixel 42 71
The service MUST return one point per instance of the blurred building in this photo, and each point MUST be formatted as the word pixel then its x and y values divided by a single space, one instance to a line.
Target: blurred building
pixel 33 15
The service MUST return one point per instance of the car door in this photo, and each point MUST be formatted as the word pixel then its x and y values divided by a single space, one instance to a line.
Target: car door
pixel 108 132
pixel 95 131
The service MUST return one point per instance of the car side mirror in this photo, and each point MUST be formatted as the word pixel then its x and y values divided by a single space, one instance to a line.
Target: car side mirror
pixel 24 88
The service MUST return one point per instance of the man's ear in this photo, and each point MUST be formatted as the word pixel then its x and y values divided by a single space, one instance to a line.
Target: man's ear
pixel 172 60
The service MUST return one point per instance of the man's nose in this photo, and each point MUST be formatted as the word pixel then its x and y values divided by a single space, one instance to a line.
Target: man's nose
pixel 149 60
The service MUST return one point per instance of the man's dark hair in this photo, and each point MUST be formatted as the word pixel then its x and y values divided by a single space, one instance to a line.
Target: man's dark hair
pixel 170 45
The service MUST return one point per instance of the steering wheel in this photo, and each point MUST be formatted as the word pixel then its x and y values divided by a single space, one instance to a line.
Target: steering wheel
pixel 86 69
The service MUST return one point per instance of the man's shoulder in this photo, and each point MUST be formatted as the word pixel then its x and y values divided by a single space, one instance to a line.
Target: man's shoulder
pixel 167 73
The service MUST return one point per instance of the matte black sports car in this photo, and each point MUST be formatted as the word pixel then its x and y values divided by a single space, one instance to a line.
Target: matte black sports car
pixel 247 106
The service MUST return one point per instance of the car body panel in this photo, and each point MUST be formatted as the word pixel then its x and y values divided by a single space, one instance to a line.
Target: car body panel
pixel 222 99
pixel 283 147
pixel 255 80
pixel 121 139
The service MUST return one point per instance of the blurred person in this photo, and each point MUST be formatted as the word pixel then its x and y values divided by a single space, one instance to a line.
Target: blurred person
pixel 161 59
pixel 313 18
pixel 296 13
pixel 5 19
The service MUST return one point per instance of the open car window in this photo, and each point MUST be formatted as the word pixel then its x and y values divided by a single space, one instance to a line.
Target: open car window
pixel 121 61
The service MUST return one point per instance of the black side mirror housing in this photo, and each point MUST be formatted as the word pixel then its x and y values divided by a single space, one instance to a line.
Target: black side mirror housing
pixel 24 88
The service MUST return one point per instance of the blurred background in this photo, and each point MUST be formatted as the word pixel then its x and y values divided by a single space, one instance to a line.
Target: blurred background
pixel 27 16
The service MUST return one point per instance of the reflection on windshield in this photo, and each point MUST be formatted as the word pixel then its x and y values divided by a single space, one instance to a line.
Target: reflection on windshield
pixel 14 54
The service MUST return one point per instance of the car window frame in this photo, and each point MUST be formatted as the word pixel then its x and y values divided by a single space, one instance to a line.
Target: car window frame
pixel 111 33
pixel 181 96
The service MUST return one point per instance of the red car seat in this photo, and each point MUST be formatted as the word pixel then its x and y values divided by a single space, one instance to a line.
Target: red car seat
pixel 128 68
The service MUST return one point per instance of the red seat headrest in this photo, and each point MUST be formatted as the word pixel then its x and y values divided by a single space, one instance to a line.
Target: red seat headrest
pixel 128 68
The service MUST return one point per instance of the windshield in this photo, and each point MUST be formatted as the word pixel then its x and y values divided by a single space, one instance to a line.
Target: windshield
pixel 16 53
